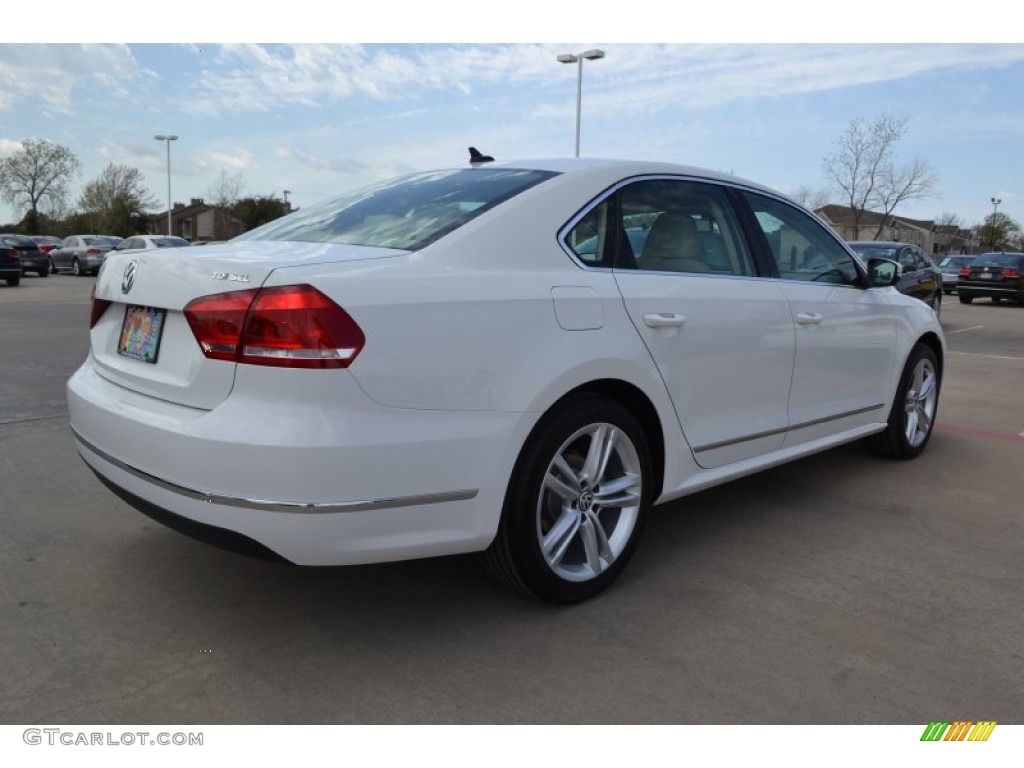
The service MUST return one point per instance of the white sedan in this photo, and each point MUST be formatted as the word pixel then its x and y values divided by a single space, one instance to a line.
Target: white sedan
pixel 149 242
pixel 517 359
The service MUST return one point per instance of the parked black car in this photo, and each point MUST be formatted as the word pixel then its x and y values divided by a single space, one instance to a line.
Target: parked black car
pixel 10 264
pixel 921 278
pixel 996 276
pixel 32 258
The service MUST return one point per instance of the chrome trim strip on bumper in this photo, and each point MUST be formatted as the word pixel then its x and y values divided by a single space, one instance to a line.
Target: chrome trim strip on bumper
pixel 793 428
pixel 293 507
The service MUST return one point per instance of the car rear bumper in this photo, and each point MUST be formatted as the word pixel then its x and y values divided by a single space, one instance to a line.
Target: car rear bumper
pixel 333 486
pixel 978 289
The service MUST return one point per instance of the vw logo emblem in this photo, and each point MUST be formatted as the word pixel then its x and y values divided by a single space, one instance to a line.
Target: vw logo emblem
pixel 129 277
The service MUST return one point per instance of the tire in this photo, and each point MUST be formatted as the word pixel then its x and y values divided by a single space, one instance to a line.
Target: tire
pixel 965 299
pixel 912 417
pixel 14 282
pixel 561 537
pixel 996 299
pixel 76 268
pixel 44 272
pixel 937 304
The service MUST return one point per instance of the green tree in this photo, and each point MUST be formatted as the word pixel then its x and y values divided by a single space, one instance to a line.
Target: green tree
pixel 865 173
pixel 116 202
pixel 999 232
pixel 256 211
pixel 40 170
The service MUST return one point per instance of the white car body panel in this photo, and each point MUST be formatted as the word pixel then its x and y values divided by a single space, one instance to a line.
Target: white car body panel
pixel 470 341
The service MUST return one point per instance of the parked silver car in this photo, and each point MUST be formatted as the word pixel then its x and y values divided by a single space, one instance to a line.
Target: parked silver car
pixel 82 254
pixel 950 266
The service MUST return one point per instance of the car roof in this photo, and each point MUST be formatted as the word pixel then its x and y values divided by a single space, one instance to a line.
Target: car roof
pixel 596 167
pixel 880 243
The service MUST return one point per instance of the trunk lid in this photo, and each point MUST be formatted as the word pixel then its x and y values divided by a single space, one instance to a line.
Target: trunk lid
pixel 162 283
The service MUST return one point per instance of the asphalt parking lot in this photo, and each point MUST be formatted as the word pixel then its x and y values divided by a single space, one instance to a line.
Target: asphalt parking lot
pixel 838 589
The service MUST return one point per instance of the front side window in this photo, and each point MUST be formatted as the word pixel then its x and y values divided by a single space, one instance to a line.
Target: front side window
pixel 803 248
pixel 407 214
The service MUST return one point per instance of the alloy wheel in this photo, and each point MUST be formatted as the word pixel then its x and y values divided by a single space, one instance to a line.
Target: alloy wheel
pixel 589 502
pixel 921 399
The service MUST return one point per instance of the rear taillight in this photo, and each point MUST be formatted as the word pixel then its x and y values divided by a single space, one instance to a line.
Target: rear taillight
pixel 1011 273
pixel 293 326
pixel 11 253
pixel 93 251
pixel 965 272
pixel 99 306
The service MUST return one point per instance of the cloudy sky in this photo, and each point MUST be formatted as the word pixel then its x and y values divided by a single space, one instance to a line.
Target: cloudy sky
pixel 758 99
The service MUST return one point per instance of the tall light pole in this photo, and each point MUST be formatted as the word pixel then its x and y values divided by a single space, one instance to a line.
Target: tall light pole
pixel 168 139
pixel 995 205
pixel 577 59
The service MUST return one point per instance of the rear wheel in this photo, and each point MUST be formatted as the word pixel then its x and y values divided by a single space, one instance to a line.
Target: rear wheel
pixel 76 268
pixel 937 303
pixel 912 417
pixel 996 299
pixel 53 267
pixel 575 504
pixel 966 299
pixel 44 272
pixel 13 281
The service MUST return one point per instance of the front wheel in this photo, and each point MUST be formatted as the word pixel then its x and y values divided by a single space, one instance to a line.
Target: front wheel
pixel 575 504
pixel 912 417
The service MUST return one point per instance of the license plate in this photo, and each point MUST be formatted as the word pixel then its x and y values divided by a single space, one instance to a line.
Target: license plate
pixel 140 333
pixel 985 275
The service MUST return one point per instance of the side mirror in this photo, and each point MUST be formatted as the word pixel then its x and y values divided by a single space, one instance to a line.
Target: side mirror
pixel 883 272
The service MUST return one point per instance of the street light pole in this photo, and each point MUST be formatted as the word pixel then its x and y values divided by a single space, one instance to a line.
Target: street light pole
pixel 168 139
pixel 577 59
pixel 995 204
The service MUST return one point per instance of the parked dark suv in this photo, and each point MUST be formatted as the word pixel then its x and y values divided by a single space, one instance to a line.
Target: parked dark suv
pixel 32 258
pixel 995 276
pixel 920 278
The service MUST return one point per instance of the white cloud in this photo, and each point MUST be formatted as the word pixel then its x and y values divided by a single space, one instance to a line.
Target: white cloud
pixel 344 165
pixel 229 160
pixel 52 73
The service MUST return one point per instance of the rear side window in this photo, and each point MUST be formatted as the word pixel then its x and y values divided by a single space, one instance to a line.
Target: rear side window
pixel 408 213
pixel 1000 260
pixel 663 225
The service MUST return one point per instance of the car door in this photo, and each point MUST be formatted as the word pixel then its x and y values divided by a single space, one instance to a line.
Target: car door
pixel 62 255
pixel 720 334
pixel 845 335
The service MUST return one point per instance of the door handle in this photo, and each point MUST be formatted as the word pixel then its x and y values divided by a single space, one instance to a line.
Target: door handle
pixel 664 320
pixel 808 318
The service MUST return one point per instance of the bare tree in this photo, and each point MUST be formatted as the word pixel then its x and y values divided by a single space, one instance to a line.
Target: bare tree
pixel 41 170
pixel 117 200
pixel 226 190
pixel 223 195
pixel 864 171
pixel 810 198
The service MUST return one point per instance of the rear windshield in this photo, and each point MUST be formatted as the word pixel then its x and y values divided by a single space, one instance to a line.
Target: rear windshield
pixel 999 260
pixel 170 242
pixel 408 213
pixel 871 251
pixel 20 241
pixel 956 261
